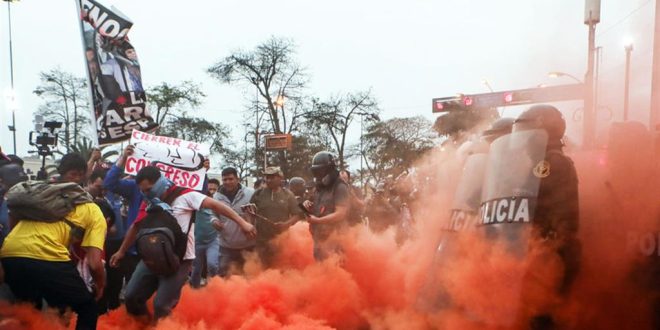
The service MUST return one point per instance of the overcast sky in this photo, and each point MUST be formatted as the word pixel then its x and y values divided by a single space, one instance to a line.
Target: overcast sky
pixel 407 52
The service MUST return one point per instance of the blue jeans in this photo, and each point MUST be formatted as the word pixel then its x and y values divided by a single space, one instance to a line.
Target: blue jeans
pixel 206 253
pixel 144 283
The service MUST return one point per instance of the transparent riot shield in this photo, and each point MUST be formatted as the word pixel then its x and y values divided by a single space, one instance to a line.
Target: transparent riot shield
pixel 516 165
pixel 466 202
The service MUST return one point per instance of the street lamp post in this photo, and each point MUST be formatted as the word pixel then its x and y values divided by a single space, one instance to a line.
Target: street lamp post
pixel 256 82
pixel 626 89
pixel 12 128
pixel 591 19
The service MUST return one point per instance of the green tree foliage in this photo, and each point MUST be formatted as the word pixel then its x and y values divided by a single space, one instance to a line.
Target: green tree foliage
pixel 456 125
pixel 197 130
pixel 85 146
pixel 171 100
pixel 393 146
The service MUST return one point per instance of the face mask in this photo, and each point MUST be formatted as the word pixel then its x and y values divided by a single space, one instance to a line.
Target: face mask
pixel 328 179
pixel 159 188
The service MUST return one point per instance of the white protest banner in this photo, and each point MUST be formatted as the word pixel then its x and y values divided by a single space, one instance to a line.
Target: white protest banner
pixel 179 160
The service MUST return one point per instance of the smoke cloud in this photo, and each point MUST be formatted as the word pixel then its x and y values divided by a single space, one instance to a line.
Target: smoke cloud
pixel 379 284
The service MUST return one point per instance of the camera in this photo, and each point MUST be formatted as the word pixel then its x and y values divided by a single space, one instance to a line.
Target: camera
pixel 44 137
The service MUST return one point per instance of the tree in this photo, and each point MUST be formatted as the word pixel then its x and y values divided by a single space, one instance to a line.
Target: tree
pixel 271 68
pixel 172 99
pixel 85 147
pixel 66 101
pixel 240 160
pixel 392 146
pixel 336 115
pixel 197 130
pixel 456 125
pixel 305 146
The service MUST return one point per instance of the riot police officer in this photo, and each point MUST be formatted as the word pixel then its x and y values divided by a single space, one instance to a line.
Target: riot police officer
pixel 329 210
pixel 531 195
pixel 557 210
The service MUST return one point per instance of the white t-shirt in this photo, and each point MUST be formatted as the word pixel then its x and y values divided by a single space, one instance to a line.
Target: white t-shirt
pixel 182 209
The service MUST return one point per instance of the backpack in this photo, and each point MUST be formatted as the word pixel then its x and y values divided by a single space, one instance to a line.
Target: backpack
pixel 45 202
pixel 160 241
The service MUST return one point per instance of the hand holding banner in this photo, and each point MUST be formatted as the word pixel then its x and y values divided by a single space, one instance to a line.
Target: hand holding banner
pixel 179 160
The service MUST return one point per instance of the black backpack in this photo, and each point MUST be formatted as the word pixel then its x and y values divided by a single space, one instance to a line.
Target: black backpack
pixel 160 241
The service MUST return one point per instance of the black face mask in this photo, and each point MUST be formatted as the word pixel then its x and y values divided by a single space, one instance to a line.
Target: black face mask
pixel 327 179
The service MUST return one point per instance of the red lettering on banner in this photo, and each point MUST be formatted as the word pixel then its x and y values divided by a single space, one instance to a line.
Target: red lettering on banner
pixel 133 165
pixel 136 134
pixel 186 177
pixel 175 178
pixel 179 177
pixel 129 164
pixel 194 180
pixel 193 146
pixel 177 142
pixel 162 139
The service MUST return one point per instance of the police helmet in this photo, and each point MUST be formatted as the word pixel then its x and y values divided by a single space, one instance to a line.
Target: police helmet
pixel 322 163
pixel 498 128
pixel 544 117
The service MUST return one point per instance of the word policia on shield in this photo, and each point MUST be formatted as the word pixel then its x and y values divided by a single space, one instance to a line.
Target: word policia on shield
pixel 180 161
pixel 118 98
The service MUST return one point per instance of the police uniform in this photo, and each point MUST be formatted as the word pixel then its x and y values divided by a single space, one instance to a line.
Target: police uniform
pixel 557 210
pixel 326 200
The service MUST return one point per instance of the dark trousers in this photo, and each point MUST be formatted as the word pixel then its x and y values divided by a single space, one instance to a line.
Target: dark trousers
pixel 145 283
pixel 59 283
pixel 266 251
pixel 231 258
pixel 116 276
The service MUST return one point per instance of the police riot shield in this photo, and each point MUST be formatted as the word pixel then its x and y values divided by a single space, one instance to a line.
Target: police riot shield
pixel 466 202
pixel 516 165
pixel 468 193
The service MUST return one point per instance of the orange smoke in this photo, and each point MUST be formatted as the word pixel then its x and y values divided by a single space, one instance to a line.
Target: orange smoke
pixel 377 284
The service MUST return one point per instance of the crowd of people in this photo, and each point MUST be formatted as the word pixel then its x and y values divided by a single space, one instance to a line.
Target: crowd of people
pixel 110 264
pixel 125 239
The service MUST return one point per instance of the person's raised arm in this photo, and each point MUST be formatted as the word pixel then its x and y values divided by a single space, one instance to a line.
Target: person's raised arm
pixel 223 209
pixel 112 181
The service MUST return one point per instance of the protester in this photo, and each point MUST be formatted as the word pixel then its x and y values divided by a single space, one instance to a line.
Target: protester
pixel 330 207
pixel 116 232
pixel 297 187
pixel 207 242
pixel 36 260
pixel 233 242
pixel 156 189
pixel 11 173
pixel 276 211
pixel 380 211
pixel 259 184
pixel 128 189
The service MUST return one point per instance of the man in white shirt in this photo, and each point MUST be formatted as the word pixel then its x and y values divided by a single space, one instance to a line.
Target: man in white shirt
pixel 144 283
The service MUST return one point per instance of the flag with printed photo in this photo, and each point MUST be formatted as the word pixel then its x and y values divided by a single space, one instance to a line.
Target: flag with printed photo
pixel 115 80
